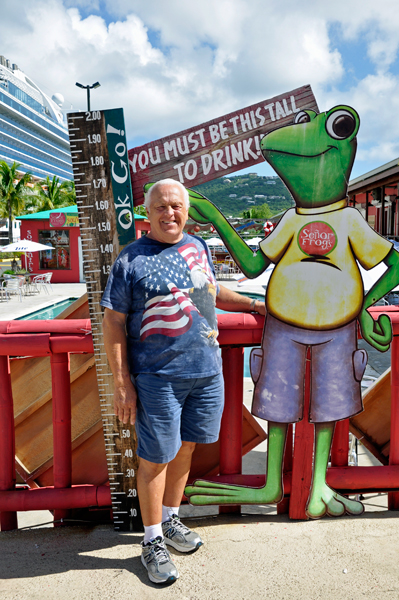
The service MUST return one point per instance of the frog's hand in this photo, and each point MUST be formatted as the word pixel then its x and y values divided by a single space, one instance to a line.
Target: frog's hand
pixel 147 186
pixel 203 211
pixel 377 333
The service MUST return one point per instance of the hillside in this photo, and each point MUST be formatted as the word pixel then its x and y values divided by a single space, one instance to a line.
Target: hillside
pixel 236 193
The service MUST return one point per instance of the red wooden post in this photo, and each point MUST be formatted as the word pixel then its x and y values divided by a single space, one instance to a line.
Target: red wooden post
pixel 340 445
pixel 62 444
pixel 303 453
pixel 284 505
pixel 231 426
pixel 8 519
pixel 393 497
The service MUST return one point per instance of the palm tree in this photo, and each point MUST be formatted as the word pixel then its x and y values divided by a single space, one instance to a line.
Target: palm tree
pixel 13 191
pixel 52 194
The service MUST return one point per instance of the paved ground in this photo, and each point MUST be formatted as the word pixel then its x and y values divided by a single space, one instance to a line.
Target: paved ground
pixel 256 555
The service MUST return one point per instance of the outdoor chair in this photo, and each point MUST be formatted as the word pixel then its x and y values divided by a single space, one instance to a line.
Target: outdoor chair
pixel 14 285
pixel 39 282
pixel 48 277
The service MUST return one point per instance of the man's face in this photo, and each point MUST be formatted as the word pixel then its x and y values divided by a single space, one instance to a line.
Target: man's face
pixel 167 213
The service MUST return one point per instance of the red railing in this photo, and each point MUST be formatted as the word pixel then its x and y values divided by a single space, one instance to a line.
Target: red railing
pixel 59 338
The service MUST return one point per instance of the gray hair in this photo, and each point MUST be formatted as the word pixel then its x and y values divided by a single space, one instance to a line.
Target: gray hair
pixel 147 199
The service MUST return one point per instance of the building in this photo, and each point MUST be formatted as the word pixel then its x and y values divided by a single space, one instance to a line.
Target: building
pixel 375 194
pixel 33 129
pixel 59 229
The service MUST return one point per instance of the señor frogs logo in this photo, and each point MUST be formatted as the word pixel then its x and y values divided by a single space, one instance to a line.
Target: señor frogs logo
pixel 317 238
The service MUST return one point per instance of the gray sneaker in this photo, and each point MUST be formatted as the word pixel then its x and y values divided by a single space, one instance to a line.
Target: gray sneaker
pixel 156 559
pixel 179 536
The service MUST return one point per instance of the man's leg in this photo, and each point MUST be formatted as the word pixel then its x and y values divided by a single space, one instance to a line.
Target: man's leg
pixel 155 557
pixel 177 474
pixel 175 533
pixel 151 479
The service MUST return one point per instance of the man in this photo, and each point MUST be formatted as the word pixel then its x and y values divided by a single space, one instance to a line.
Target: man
pixel 160 332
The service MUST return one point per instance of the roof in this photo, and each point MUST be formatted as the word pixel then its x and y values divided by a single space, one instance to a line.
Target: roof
pixel 73 209
pixel 386 174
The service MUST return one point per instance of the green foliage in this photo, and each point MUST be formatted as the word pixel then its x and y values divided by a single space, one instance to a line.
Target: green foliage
pixel 140 210
pixel 270 191
pixel 258 212
pixel 13 192
pixel 50 193
pixel 5 255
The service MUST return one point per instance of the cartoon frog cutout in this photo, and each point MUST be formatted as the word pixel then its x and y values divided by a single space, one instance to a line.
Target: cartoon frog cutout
pixel 314 299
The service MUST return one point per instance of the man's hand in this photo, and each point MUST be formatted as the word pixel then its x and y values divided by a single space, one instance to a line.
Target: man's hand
pixel 125 403
pixel 377 333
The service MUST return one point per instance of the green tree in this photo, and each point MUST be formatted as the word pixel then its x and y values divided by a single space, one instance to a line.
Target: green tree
pixel 13 192
pixel 258 212
pixel 140 210
pixel 50 193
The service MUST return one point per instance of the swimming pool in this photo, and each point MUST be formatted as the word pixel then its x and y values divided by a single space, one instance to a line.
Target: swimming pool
pixel 49 312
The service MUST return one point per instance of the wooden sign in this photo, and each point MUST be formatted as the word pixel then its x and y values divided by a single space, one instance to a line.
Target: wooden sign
pixel 216 148
pixel 105 208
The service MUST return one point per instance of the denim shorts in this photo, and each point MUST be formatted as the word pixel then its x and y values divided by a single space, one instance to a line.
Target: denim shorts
pixel 172 411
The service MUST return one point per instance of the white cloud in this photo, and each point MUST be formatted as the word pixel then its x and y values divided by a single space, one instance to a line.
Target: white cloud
pixel 174 64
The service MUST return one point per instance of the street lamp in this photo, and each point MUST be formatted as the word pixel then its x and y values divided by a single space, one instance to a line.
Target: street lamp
pixel 88 88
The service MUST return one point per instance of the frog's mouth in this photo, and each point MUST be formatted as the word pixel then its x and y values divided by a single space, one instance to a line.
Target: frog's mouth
pixel 272 150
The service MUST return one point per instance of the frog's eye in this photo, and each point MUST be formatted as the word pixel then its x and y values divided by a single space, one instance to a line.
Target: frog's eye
pixel 302 117
pixel 340 124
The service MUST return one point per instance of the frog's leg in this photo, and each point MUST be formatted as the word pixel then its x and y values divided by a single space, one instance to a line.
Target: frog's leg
pixel 207 492
pixel 322 499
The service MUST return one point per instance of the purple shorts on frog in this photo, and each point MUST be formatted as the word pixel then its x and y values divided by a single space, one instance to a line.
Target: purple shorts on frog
pixel 170 411
pixel 278 371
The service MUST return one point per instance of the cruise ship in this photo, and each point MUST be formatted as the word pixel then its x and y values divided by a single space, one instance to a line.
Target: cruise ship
pixel 33 128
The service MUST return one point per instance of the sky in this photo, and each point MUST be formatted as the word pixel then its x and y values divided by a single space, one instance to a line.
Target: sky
pixel 174 64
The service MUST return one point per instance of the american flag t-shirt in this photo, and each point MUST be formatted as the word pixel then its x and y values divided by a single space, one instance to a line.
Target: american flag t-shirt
pixel 168 315
pixel 168 293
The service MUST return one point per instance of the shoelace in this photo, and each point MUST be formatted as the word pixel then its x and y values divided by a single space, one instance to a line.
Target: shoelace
pixel 178 526
pixel 159 553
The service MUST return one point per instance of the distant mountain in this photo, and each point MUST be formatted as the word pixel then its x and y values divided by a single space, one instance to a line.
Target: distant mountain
pixel 236 193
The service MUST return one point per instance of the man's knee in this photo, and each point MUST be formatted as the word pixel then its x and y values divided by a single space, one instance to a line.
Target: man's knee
pixel 148 470
pixel 187 447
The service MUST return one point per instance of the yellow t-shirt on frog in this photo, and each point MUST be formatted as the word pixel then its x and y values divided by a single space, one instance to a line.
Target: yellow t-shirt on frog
pixel 316 283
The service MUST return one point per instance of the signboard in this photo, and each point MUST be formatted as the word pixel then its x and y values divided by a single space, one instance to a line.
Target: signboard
pixel 216 148
pixel 105 208
pixel 62 219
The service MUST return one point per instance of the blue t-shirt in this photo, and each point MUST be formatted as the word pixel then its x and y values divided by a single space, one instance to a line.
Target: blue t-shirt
pixel 168 292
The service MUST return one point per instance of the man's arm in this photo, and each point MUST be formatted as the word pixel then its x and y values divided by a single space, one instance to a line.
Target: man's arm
pixel 233 302
pixel 125 395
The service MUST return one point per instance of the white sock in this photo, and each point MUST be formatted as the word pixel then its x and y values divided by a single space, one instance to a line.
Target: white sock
pixel 152 531
pixel 168 511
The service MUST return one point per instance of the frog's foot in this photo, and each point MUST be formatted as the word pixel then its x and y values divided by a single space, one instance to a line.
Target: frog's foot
pixel 325 501
pixel 208 492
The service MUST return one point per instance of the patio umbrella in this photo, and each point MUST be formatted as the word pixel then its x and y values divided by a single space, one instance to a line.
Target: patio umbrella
pixel 214 242
pixel 254 241
pixel 25 246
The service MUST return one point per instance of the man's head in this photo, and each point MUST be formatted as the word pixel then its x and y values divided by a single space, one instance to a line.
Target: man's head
pixel 167 204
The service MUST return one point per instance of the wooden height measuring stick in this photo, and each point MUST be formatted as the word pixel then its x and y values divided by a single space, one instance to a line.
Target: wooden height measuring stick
pixel 106 220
